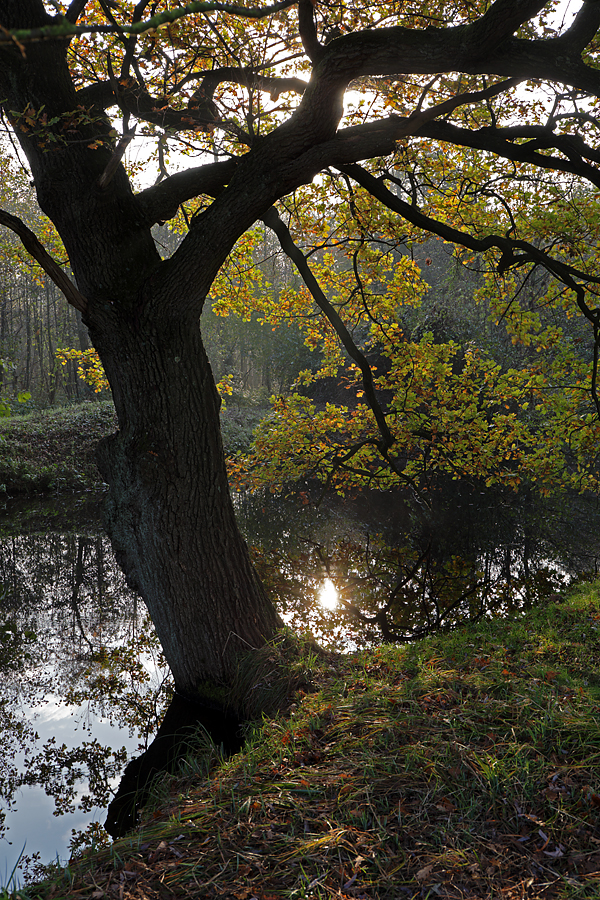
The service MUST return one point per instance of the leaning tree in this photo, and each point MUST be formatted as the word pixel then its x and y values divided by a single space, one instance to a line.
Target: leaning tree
pixel 255 97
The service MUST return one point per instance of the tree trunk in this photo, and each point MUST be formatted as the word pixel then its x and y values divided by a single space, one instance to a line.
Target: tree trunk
pixel 169 512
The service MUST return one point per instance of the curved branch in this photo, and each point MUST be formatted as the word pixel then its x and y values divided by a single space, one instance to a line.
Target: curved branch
pixel 583 28
pixel 501 21
pixel 376 138
pixel 161 201
pixel 508 246
pixel 138 12
pixel 66 28
pixel 499 141
pixel 247 77
pixel 35 248
pixel 75 9
pixel 202 113
pixel 308 32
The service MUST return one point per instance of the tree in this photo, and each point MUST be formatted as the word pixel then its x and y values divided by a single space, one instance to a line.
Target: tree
pixel 201 73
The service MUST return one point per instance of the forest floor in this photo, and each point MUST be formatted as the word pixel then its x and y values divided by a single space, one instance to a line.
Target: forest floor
pixel 53 450
pixel 466 765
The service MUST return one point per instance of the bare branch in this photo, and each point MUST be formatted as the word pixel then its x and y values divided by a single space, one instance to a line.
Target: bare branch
pixel 161 201
pixel 34 247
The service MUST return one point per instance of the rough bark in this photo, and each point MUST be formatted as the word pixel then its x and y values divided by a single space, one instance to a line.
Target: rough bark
pixel 169 512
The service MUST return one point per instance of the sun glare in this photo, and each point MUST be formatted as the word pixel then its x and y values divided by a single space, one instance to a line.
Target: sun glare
pixel 328 595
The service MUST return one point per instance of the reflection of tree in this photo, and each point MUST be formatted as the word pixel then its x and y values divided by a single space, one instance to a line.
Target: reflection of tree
pixel 94 648
pixel 480 552
pixel 17 733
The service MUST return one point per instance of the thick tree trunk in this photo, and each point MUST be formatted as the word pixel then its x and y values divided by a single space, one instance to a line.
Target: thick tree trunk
pixel 169 511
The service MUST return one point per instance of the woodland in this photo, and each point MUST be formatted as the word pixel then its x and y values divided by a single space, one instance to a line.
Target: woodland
pixel 381 218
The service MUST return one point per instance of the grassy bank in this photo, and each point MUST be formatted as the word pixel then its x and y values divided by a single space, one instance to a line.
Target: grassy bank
pixel 464 766
pixel 53 450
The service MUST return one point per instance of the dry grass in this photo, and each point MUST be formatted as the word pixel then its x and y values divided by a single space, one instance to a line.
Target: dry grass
pixel 465 766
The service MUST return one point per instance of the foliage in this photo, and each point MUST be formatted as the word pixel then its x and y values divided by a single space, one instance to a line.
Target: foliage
pixel 503 413
pixel 89 367
pixel 119 681
pixel 465 763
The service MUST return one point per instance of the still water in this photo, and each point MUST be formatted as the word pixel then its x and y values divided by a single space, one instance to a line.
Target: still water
pixel 83 681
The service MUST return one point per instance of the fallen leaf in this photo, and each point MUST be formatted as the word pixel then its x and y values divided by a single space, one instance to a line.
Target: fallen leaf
pixel 423 873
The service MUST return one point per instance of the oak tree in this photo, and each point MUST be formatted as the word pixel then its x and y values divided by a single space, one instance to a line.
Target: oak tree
pixel 462 118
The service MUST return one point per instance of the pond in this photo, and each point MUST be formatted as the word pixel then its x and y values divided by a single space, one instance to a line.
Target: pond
pixel 84 684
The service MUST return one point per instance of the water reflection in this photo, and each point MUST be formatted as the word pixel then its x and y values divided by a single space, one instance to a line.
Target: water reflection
pixel 402 573
pixel 83 686
pixel 328 595
pixel 83 680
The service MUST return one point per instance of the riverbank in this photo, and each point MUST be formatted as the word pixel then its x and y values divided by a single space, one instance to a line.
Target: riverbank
pixel 463 766
pixel 53 450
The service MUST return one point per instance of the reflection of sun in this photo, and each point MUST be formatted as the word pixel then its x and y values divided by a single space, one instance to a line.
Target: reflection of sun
pixel 328 595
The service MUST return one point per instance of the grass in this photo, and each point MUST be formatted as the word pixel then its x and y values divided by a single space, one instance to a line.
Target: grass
pixel 464 766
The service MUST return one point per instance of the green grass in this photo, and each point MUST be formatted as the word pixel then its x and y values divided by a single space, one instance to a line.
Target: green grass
pixel 464 766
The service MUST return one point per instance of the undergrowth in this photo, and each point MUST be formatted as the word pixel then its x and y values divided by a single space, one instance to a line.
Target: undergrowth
pixel 53 449
pixel 464 766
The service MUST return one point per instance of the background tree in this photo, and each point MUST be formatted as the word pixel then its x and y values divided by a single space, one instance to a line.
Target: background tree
pixel 227 80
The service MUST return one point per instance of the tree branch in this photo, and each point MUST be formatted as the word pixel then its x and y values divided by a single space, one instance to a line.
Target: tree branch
pixel 583 28
pixel 275 223
pixel 75 9
pixel 508 246
pixel 247 77
pixel 496 140
pixel 201 112
pixel 160 202
pixel 113 163
pixel 377 138
pixel 34 247
pixel 308 31
pixel 500 22
pixel 66 28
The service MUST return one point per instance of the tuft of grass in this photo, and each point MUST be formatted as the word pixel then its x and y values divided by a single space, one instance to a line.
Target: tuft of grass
pixel 464 766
